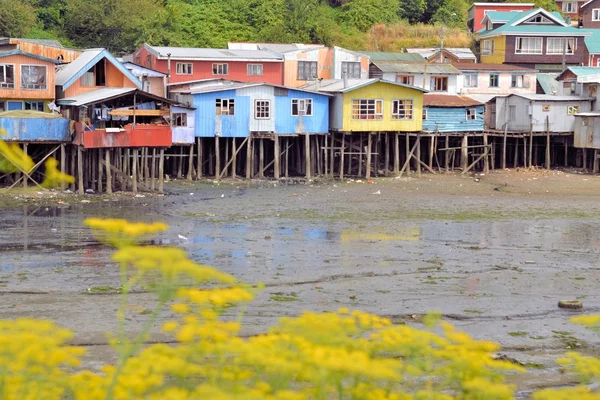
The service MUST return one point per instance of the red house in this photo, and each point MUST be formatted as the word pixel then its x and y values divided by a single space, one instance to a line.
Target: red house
pixel 571 8
pixel 190 64
pixel 478 11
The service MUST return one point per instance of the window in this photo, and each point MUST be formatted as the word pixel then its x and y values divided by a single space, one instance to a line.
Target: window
pixel 95 76
pixel 220 69
pixel 301 107
pixel 34 105
pixel 351 69
pixel 538 19
pixel 137 60
pixel 519 81
pixel 512 113
pixel 528 45
pixel 406 79
pixel 471 114
pixel 88 79
pixel 569 7
pixel 424 114
pixel 33 77
pixel 402 109
pixel 149 61
pixel 2 106
pixel 183 69
pixel 179 119
pixel 262 109
pixel 470 80
pixel 367 109
pixel 307 70
pixel 439 83
pixel 489 26
pixel 7 76
pixel 255 69
pixel 557 45
pixel 596 14
pixel 225 106
pixel 494 80
pixel 487 47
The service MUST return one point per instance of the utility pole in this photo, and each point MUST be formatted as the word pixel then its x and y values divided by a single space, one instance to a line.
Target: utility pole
pixel 443 28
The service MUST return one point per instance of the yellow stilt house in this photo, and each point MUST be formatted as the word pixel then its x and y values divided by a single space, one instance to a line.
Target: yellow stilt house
pixel 372 105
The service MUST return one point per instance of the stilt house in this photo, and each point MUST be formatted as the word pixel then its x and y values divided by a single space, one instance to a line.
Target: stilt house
pixel 448 113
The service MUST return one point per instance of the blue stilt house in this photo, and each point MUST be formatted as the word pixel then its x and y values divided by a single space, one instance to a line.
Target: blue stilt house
pixel 452 113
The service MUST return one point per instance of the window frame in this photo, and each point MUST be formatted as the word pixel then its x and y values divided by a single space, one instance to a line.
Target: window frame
pixel 490 51
pixel 433 88
pixel 396 116
pixel 181 71
pixel 497 76
pixel 356 113
pixel 425 114
pixel 45 86
pixel 471 114
pixel 562 41
pixel 597 12
pixel 470 76
pixel 183 117
pixel 512 81
pixel 353 64
pixel 410 78
pixel 267 103
pixel 250 69
pixel 308 104
pixel 304 63
pixel 36 102
pixel 536 38
pixel 5 85
pixel 573 4
pixel 222 109
pixel 222 67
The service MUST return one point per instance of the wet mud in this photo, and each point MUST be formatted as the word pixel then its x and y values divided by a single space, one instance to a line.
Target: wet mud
pixel 494 256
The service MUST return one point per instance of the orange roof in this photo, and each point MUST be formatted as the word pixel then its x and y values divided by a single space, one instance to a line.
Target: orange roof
pixel 448 100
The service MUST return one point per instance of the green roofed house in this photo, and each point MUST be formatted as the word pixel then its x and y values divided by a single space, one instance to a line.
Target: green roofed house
pixel 398 57
pixel 535 39
pixel 592 47
pixel 580 81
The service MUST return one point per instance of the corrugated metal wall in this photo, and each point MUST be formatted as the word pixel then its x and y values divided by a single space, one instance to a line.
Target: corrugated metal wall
pixel 452 119
pixel 36 129
pixel 286 123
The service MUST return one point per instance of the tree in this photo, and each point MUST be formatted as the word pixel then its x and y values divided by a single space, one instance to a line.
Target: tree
pixel 362 14
pixel 453 14
pixel 16 18
pixel 412 10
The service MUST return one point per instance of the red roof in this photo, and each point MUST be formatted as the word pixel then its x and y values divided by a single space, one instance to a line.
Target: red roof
pixel 448 100
pixel 490 67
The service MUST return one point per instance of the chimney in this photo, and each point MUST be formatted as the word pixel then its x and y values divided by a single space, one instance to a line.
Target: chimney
pixel 168 67
pixel 568 20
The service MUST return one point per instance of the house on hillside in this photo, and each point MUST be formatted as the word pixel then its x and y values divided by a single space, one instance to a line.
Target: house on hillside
pixel 571 8
pixel 494 79
pixel 451 113
pixel 478 11
pixel 153 81
pixel 306 62
pixel 432 77
pixel 445 55
pixel 41 47
pixel 189 64
pixel 26 81
pixel 580 81
pixel 534 39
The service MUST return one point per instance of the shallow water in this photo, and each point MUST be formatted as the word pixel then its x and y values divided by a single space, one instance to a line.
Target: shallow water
pixel 323 247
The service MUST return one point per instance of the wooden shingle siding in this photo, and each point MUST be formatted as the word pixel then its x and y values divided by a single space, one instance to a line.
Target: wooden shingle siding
pixel 528 59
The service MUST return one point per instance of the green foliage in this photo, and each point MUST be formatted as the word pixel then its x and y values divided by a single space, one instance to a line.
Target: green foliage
pixel 453 13
pixel 16 18
pixel 412 10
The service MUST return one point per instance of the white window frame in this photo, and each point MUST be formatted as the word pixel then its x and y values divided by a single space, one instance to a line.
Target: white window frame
pixel 37 103
pixel 396 116
pixel 487 47
pixel 4 85
pixel 553 49
pixel 304 64
pixel 356 111
pixel 254 69
pixel 497 75
pixel 535 47
pixel 355 69
pixel 183 119
pixel 42 87
pixel 425 114
pixel 524 83
pixel 224 106
pixel 301 106
pixel 468 80
pixel 220 69
pixel 471 114
pixel 573 7
pixel 266 111
pixel 596 14
pixel 182 68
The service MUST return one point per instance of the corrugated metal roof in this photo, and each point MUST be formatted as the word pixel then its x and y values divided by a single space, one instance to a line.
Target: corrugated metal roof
pixel 484 98
pixel 501 16
pixel 23 53
pixel 66 72
pixel 548 83
pixel 192 53
pixel 588 114
pixel 287 48
pixel 138 70
pixel 232 85
pixel 95 96
pixel 45 42
pixel 514 25
pixel 386 56
pixel 339 86
pixel 592 42
pixel 549 97
pixel 449 100
pixel 584 71
pixel 490 67
pixel 414 68
pixel 460 52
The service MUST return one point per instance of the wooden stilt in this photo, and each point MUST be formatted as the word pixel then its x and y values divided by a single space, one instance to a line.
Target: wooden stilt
pixel 504 147
pixel 331 156
pixel 368 165
pixel 134 165
pixel 199 158
pixel 153 173
pixel 376 154
pixel 211 160
pixel 73 157
pixel 226 156
pixel 25 177
pixel 287 157
pixel 531 147
pixel 326 156
pixel 585 163
pixel 493 155
pixel 516 155
pixel 233 157
pixel 63 163
pixel 464 153
pixel 80 169
pixel 431 151
pixel 261 158
pixel 525 152
pixel 217 158
pixel 348 165
pixel 342 156
pixel 386 170
pixel 147 167
pixel 100 170
pixel 127 168
pixel 447 154
pixel 548 144
pixel 407 154
pixel 307 155
pixel 179 161
pixel 595 164
pixel 108 173
pixel 276 166
pixel 190 171
pixel 249 157
pixel 566 160
pixel 161 171
pixel 360 154
pixel 419 155
pixel 486 161
pixel 318 155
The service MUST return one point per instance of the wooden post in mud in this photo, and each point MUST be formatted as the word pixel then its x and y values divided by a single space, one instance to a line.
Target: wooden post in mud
pixel 147 165
pixel 63 160
pixel 199 158
pixel 307 155
pixel 318 155
pixel 418 155
pixel 386 170
pixel 108 173
pixel 464 153
pixel 153 173
pixel 287 157
pixel 349 163
pixel 261 158
pixel 516 155
pixel 331 156
pixel 530 146
pixel 407 151
pixel 276 166
pixel 326 156
pixel 233 157
pixel 342 156
pixel 431 150
pixel 190 171
pixel 368 165
pixel 548 144
pixel 80 169
pixel 224 173
pixel 566 161
pixel 217 158
pixel 161 171
pixel 249 157
pixel 525 152
pixel 134 165
pixel 504 146
pixel 396 154
pixel 584 151
pixel 447 154
pixel 100 170
pixel 72 170
pixel 486 161
pixel 25 177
